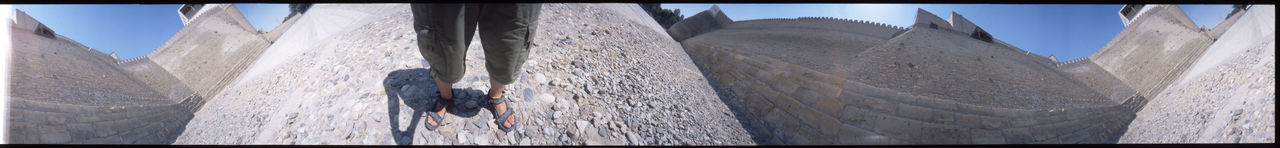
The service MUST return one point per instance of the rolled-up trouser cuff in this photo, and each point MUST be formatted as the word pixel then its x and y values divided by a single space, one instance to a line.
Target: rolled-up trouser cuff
pixel 445 30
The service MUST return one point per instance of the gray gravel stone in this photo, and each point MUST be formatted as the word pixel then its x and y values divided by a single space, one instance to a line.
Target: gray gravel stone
pixel 546 98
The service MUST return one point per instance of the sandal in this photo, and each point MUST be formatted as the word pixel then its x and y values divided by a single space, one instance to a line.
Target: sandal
pixel 510 111
pixel 435 115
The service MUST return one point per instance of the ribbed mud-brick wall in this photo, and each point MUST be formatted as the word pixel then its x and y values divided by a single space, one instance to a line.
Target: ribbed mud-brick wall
pixel 65 93
pixel 155 77
pixel 869 28
pixel 802 106
pixel 1153 51
pixel 1093 76
pixel 703 22
pixel 210 51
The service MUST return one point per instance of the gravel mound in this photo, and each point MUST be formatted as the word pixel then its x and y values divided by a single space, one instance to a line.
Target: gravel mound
pixel 594 76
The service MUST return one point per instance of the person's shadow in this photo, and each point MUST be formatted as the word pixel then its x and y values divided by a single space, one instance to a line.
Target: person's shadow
pixel 418 91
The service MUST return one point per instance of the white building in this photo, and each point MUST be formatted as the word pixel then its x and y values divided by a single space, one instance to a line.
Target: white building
pixel 1131 12
pixel 27 23
pixel 190 12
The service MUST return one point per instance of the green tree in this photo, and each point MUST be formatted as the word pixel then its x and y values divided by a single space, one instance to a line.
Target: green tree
pixel 1237 8
pixel 664 17
pixel 296 8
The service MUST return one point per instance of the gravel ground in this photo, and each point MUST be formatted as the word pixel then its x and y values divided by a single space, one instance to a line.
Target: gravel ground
pixel 1232 103
pixel 593 77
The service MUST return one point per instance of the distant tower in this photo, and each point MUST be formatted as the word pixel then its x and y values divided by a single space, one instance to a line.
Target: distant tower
pixel 1131 12
pixel 1053 58
pixel 188 12
pixel 27 23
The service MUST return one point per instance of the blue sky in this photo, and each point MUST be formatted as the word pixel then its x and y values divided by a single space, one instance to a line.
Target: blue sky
pixel 133 30
pixel 1066 31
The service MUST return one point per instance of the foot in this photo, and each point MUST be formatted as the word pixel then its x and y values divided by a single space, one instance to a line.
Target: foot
pixel 438 110
pixel 501 108
pixel 445 98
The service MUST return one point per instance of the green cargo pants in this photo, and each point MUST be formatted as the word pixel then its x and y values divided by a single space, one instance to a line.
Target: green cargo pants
pixel 445 30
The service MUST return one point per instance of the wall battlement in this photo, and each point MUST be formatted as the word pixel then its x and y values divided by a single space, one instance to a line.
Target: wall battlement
pixel 1073 61
pixel 122 62
pixel 872 28
pixel 869 28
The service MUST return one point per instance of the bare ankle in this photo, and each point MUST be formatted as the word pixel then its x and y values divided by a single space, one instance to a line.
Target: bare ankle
pixel 495 92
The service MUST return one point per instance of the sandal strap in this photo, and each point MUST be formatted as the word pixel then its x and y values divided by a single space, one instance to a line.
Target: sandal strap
pixel 498 100
pixel 503 118
pixel 434 116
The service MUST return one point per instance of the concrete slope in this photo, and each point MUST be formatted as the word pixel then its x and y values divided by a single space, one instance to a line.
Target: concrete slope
pixel 1257 23
pixel 315 28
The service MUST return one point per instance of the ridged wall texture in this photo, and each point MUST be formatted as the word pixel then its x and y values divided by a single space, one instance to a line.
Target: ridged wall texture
pixel 703 22
pixel 67 93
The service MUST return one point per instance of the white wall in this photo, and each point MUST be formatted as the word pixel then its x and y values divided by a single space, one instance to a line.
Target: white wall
pixel 959 23
pixel 923 18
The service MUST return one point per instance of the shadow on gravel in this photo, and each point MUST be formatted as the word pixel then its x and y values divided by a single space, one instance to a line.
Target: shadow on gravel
pixel 418 91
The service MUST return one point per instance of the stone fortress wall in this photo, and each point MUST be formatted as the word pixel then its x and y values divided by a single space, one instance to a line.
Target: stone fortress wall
pixel 703 22
pixel 211 50
pixel 868 28
pixel 893 95
pixel 875 29
pixel 1156 52
pixel 798 105
pixel 65 92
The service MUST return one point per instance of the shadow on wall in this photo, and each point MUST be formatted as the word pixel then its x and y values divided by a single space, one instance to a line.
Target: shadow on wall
pixel 418 91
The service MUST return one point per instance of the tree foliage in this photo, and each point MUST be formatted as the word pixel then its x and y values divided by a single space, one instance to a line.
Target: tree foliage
pixel 665 17
pixel 297 8
pixel 1237 8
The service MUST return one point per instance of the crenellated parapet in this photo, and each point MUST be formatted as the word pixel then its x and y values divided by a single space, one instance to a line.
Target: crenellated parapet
pixel 1074 61
pixel 871 28
pixel 131 60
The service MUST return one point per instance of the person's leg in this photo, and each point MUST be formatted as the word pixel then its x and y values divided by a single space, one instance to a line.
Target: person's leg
pixel 506 31
pixel 444 32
